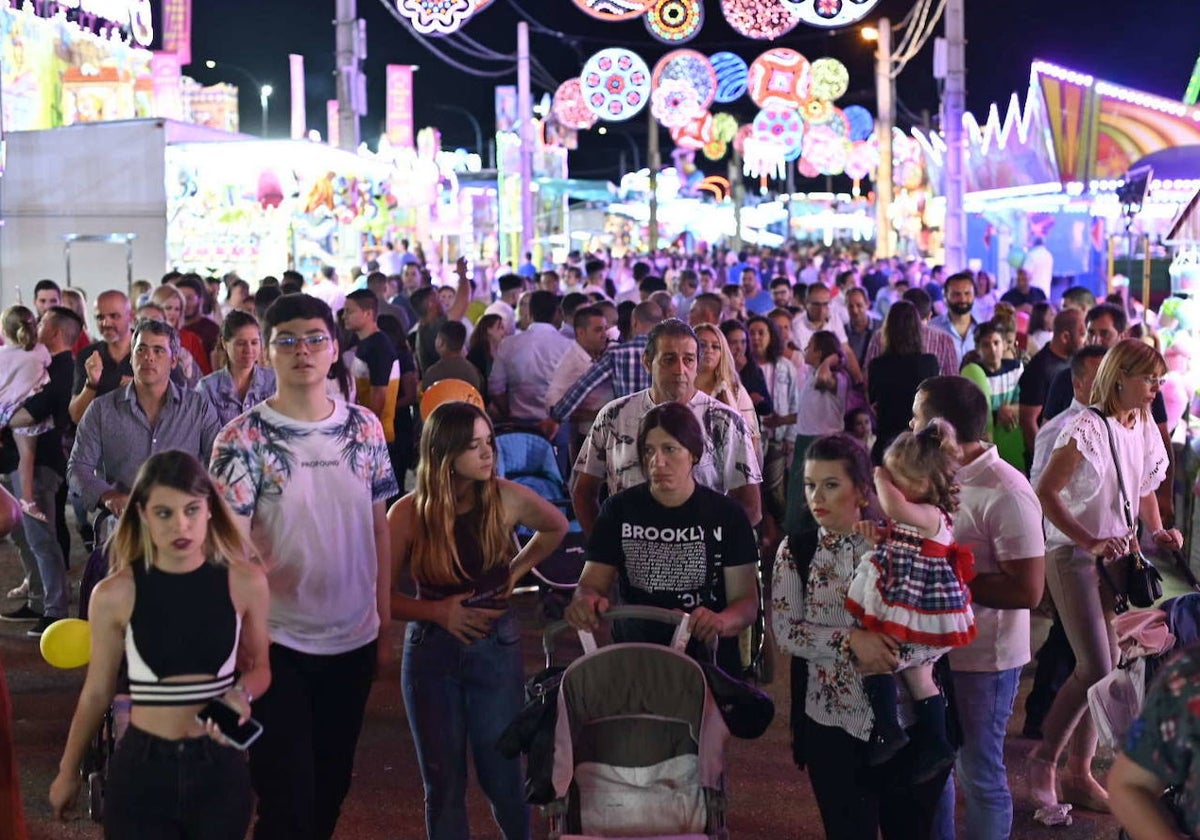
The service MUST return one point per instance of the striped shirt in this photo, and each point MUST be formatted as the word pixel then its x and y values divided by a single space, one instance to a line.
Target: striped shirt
pixel 621 363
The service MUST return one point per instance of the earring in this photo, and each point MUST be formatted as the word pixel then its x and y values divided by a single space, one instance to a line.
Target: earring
pixel 1120 387
pixel 862 503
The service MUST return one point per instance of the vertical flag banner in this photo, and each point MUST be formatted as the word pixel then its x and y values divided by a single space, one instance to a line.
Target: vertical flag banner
pixel 331 120
pixel 177 29
pixel 399 113
pixel 299 116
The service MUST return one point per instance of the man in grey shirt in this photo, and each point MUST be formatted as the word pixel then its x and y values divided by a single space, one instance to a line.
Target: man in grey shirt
pixel 122 428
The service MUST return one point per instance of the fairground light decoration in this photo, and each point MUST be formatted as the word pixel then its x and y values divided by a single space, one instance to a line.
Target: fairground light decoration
pixel 674 21
pixel 439 17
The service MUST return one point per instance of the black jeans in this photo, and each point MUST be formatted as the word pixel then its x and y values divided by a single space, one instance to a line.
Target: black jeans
pixel 311 715
pixel 857 801
pixel 192 788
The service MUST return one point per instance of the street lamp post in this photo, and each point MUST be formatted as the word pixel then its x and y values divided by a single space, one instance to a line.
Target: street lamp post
pixel 637 159
pixel 264 90
pixel 474 125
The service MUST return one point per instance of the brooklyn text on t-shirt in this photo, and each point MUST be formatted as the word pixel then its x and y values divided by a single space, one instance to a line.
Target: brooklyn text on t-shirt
pixel 691 534
pixel 320 463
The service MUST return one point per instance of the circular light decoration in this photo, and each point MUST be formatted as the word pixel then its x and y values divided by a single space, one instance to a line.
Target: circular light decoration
pixel 806 169
pixel 731 73
pixel 674 103
pixel 615 84
pixel 695 133
pixel 569 106
pixel 715 149
pixel 779 78
pixel 830 79
pixel 674 21
pixel 835 119
pixel 817 111
pixel 436 17
pixel 763 20
pixel 724 127
pixel 829 14
pixel 825 150
pixel 861 160
pixel 691 67
pixel 861 122
pixel 784 127
pixel 612 10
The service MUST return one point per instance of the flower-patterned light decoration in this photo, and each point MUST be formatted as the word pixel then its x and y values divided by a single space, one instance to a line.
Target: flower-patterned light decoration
pixel 862 160
pixel 830 79
pixel 437 17
pixel 612 10
pixel 829 14
pixel 732 74
pixel 674 103
pixel 779 78
pixel 783 126
pixel 615 84
pixel 715 149
pixel 763 20
pixel 862 124
pixel 835 118
pixel 824 150
pixel 569 107
pixel 724 127
pixel 696 133
pixel 691 67
pixel 674 21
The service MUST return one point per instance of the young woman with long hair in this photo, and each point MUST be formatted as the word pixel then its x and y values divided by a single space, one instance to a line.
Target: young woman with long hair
pixel 481 347
pixel 717 376
pixel 188 610
pixel 242 382
pixel 462 675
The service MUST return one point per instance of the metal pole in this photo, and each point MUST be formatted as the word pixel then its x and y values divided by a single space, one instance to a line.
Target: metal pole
pixel 474 126
pixel 525 120
pixel 955 97
pixel 655 162
pixel 885 119
pixel 346 59
pixel 263 100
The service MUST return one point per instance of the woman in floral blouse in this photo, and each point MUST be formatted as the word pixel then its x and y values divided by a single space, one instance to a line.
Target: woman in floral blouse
pixel 831 716
pixel 1160 751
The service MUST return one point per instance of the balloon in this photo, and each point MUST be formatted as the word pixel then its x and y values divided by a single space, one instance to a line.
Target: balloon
pixel 449 390
pixel 67 643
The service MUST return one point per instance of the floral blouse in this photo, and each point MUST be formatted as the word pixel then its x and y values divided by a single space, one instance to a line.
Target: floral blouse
pixel 1163 739
pixel 817 628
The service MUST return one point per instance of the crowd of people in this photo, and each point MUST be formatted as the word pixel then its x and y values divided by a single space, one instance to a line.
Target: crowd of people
pixel 906 462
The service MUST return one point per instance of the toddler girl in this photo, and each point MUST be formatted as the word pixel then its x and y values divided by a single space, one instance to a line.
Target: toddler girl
pixel 913 589
pixel 23 364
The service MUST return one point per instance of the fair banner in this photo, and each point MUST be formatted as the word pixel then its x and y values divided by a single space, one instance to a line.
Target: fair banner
pixel 506 108
pixel 177 29
pixel 331 122
pixel 399 113
pixel 299 117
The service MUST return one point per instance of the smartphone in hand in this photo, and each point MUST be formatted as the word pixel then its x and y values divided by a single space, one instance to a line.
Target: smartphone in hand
pixel 226 718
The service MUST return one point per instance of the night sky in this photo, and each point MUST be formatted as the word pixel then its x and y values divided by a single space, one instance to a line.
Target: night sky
pixel 1150 45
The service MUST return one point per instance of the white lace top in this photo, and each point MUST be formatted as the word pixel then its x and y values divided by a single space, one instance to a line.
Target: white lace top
pixel 1091 495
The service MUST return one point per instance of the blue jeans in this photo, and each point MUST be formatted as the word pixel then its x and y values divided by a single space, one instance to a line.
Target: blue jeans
pixel 41 553
pixel 457 694
pixel 984 702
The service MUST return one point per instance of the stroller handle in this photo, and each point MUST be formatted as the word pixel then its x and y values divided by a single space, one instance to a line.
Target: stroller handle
pixel 659 614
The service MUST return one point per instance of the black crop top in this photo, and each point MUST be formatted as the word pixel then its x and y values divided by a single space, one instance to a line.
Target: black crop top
pixel 488 585
pixel 182 624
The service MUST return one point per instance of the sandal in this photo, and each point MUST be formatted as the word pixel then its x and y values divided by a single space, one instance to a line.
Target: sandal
pixel 1086 793
pixel 31 510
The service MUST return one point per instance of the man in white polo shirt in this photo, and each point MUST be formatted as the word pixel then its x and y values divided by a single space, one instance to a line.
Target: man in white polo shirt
pixel 1000 520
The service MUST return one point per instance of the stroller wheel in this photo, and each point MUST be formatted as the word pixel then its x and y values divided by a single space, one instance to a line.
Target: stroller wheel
pixel 95 788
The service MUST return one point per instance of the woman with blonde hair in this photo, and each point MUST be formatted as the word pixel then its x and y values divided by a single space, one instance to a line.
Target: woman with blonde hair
pixel 187 609
pixel 1107 462
pixel 462 674
pixel 193 361
pixel 717 376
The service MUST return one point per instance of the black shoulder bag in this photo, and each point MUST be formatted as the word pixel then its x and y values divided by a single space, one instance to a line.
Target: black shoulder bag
pixel 802 546
pixel 1143 583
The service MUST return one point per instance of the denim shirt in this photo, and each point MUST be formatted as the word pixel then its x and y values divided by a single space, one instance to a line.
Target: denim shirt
pixel 221 391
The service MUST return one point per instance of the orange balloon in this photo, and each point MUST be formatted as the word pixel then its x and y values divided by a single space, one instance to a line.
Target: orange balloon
pixel 449 390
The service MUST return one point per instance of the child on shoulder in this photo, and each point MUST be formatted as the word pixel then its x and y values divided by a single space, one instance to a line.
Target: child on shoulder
pixel 23 372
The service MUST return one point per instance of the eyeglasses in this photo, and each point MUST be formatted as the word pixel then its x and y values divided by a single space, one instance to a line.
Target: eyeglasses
pixel 289 343
pixel 1151 381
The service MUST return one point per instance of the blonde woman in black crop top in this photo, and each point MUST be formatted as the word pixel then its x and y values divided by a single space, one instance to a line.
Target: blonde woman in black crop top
pixel 462 674
pixel 188 611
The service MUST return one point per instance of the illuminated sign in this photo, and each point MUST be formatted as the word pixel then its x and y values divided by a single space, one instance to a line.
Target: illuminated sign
pixel 131 16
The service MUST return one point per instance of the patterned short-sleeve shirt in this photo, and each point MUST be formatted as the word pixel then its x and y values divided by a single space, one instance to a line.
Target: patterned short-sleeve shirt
pixel 308 490
pixel 610 450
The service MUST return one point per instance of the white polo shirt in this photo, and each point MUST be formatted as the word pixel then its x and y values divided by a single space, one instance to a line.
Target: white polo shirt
pixel 999 519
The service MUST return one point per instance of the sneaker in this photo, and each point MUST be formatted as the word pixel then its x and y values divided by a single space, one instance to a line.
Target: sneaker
pixel 42 624
pixel 20 591
pixel 25 613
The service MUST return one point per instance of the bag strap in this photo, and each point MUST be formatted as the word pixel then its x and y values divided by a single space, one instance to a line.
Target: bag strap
pixel 1112 446
pixel 1100 567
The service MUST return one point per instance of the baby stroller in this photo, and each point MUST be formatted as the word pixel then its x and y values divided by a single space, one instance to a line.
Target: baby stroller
pixel 524 456
pixel 639 743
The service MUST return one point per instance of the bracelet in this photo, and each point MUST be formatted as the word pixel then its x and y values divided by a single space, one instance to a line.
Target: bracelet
pixel 243 691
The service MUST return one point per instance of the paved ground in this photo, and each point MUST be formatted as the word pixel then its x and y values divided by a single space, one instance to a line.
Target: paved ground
pixel 769 798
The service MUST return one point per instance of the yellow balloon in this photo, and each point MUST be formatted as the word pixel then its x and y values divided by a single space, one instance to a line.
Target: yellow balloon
pixel 67 643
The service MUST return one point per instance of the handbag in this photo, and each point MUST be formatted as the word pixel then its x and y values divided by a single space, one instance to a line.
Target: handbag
pixel 1143 583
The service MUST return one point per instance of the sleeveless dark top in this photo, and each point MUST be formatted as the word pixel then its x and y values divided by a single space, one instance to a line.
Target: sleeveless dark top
pixel 181 624
pixel 488 585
